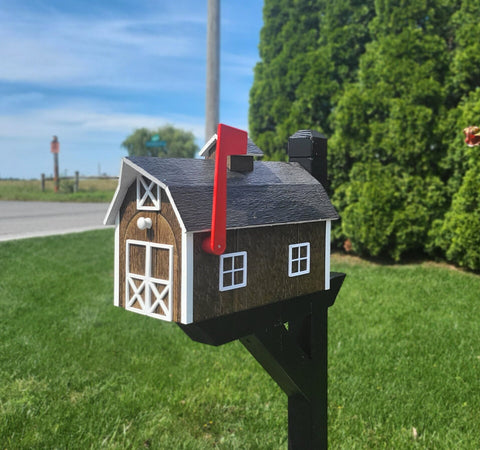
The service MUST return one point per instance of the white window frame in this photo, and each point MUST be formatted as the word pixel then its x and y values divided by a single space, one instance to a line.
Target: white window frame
pixel 234 269
pixel 152 192
pixel 294 263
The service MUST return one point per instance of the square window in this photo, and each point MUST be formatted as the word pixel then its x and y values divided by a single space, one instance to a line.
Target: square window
pixel 298 259
pixel 233 271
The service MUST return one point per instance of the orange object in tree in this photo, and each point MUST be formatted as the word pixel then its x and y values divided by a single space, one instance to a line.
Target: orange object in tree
pixel 472 136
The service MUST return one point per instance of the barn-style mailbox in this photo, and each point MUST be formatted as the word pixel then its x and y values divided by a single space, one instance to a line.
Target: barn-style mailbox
pixel 277 230
pixel 230 247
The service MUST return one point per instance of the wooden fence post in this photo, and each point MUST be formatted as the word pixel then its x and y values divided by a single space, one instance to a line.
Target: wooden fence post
pixel 56 177
pixel 75 188
pixel 43 182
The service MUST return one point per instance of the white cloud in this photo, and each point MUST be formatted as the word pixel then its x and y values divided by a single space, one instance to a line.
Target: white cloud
pixel 93 75
pixel 80 120
pixel 20 100
pixel 90 136
pixel 99 52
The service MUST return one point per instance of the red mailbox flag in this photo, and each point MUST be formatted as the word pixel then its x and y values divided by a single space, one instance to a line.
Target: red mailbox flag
pixel 230 141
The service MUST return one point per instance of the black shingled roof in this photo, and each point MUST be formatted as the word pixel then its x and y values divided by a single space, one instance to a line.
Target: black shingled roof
pixel 274 193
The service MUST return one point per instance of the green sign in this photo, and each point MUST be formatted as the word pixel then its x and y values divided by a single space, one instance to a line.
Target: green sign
pixel 155 142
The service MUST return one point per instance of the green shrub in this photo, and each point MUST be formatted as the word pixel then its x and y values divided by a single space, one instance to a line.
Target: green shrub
pixel 386 212
pixel 459 234
pixel 67 186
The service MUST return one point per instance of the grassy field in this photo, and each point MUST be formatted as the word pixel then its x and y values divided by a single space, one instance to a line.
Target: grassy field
pixel 90 190
pixel 75 372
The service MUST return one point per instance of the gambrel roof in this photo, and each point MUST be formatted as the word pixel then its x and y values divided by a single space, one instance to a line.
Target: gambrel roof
pixel 274 193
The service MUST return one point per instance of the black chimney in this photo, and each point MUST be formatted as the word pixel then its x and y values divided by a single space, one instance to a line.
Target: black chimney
pixel 309 148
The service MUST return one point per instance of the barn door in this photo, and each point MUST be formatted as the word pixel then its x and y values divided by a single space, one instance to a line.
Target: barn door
pixel 149 274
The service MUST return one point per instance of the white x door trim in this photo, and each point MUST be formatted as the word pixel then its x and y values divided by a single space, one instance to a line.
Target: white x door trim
pixel 153 296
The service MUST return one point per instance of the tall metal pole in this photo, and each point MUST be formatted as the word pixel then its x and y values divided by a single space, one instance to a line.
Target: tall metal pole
pixel 213 68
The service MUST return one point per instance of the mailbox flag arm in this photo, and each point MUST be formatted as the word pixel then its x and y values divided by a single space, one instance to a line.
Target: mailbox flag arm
pixel 230 141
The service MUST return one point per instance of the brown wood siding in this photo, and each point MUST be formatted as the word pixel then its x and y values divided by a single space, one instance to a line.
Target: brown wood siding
pixel 165 230
pixel 267 268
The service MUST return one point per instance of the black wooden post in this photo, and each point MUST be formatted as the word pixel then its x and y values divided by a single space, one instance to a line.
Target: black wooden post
pixel 297 360
pixel 307 415
pixel 289 340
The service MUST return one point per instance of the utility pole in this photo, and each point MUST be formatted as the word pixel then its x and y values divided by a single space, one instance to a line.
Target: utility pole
pixel 55 148
pixel 213 68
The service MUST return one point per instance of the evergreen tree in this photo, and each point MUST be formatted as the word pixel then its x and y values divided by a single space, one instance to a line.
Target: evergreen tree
pixel 385 212
pixel 390 114
pixel 458 234
pixel 388 120
pixel 463 79
pixel 393 84
pixel 308 49
pixel 333 63
pixel 465 44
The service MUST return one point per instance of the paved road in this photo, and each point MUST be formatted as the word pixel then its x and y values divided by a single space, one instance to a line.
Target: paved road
pixel 20 220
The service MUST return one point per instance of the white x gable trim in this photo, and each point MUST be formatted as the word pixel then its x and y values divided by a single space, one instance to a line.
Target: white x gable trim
pixel 152 192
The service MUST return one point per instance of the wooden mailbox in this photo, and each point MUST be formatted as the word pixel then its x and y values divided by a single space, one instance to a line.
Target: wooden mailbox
pixel 277 230
pixel 232 248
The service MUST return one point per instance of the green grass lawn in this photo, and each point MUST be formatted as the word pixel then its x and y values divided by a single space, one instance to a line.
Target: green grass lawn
pixel 76 372
pixel 90 190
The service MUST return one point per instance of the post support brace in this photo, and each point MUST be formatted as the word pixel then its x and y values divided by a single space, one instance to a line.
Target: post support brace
pixel 297 360
pixel 289 340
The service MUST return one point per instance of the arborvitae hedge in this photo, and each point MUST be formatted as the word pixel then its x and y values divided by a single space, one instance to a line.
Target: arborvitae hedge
pixel 392 85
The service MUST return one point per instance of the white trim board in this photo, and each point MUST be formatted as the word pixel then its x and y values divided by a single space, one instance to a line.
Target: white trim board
pixel 204 151
pixel 328 228
pixel 187 279
pixel 116 263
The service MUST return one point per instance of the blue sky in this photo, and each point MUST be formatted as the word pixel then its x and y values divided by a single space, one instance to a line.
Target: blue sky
pixel 92 72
